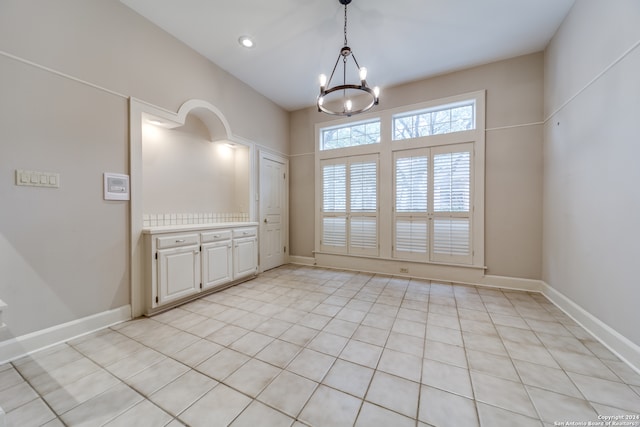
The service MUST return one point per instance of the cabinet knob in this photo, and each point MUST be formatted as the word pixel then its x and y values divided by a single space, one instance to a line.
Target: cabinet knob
pixel 265 220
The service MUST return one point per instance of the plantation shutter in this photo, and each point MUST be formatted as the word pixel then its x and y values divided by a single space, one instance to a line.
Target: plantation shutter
pixel 451 228
pixel 350 205
pixel 411 226
pixel 363 218
pixel 334 206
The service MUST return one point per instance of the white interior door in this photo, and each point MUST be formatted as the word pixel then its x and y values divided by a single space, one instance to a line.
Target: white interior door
pixel 273 211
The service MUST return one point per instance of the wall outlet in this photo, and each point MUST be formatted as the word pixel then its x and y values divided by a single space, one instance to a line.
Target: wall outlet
pixel 404 270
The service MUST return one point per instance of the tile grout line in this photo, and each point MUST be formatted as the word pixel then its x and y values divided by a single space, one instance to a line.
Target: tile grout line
pixel 38 394
pixel 466 353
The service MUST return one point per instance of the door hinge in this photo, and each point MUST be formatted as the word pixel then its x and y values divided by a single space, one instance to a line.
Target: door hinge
pixel 285 249
pixel 156 255
pixel 156 300
pixel 284 175
pixel 200 285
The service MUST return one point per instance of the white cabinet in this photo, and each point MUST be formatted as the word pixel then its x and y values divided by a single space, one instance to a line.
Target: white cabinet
pixel 183 265
pixel 217 258
pixel 245 252
pixel 178 273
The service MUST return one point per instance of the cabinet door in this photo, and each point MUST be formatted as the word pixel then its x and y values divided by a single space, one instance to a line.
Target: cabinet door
pixel 178 273
pixel 217 267
pixel 245 257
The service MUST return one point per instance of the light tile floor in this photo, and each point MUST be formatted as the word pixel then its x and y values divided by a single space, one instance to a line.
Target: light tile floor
pixel 310 346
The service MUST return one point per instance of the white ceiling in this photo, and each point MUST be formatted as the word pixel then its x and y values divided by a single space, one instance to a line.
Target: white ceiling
pixel 397 40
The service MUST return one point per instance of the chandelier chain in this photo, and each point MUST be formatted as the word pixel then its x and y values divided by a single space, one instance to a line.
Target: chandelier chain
pixel 345 25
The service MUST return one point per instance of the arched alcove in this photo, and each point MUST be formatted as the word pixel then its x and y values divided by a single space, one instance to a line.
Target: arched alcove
pixel 186 168
pixel 213 118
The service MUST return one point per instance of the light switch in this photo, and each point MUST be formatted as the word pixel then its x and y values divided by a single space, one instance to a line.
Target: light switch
pixel 37 179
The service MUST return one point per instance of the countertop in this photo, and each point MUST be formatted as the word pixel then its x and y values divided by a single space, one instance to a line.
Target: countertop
pixel 195 227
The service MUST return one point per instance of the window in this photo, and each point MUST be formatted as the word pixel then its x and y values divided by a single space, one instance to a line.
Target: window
pixel 437 121
pixel 350 135
pixel 350 205
pixel 432 198
pixel 405 185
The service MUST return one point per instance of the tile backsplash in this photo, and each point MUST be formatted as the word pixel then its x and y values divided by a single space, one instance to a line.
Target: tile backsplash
pixel 154 220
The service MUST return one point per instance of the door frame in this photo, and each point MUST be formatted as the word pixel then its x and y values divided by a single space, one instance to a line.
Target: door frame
pixel 264 154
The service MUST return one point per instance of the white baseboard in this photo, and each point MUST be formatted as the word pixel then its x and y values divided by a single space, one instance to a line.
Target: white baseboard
pixel 303 260
pixel 504 282
pixel 14 348
pixel 621 346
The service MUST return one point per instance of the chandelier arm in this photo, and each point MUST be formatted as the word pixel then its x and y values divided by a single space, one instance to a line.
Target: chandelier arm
pixel 332 73
pixel 355 60
pixel 344 74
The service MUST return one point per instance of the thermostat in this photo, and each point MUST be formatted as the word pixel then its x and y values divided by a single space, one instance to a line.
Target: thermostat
pixel 116 186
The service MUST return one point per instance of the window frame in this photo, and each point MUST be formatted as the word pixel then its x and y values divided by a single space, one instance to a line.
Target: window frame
pixel 386 150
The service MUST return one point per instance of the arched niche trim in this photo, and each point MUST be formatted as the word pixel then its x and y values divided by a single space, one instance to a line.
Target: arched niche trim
pixel 210 115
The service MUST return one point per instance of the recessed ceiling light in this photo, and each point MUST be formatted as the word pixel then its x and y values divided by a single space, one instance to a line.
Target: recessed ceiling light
pixel 246 41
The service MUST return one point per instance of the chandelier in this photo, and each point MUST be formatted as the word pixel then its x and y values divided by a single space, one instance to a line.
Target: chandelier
pixel 349 99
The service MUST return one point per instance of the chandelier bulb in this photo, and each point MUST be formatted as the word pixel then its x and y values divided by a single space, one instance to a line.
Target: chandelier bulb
pixel 376 91
pixel 323 81
pixel 320 101
pixel 348 105
pixel 363 74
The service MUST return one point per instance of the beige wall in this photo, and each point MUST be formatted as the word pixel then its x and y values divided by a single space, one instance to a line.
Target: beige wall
pixel 64 252
pixel 591 196
pixel 514 114
pixel 107 44
pixel 184 171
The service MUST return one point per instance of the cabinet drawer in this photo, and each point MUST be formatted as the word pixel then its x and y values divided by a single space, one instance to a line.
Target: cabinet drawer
pixel 177 240
pixel 245 232
pixel 216 236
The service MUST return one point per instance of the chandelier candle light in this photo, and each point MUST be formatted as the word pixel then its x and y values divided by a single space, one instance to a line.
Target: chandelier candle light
pixel 347 103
